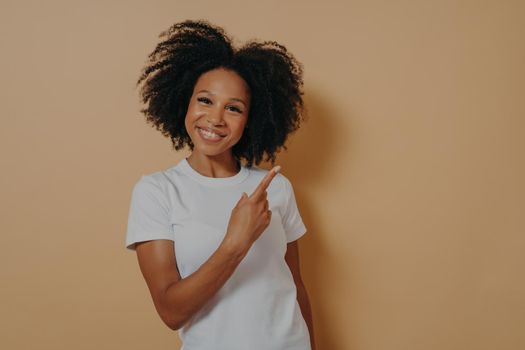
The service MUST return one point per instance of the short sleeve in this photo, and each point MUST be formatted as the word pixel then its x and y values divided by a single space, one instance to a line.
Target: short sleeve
pixel 293 224
pixel 148 216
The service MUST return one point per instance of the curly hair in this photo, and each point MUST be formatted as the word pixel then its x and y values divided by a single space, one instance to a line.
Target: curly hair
pixel 191 48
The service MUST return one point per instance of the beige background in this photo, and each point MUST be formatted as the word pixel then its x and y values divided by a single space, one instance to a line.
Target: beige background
pixel 408 174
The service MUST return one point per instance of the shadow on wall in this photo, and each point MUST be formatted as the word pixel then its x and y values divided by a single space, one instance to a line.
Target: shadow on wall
pixel 311 151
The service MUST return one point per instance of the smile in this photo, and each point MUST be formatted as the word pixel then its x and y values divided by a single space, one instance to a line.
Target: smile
pixel 209 136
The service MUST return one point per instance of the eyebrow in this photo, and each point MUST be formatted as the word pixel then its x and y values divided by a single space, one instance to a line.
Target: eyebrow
pixel 231 99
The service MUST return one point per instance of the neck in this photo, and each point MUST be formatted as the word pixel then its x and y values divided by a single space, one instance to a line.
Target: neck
pixel 214 166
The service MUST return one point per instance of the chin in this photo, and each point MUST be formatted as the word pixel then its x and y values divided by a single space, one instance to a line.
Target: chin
pixel 208 150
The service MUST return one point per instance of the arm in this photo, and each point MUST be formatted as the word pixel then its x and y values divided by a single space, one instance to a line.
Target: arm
pixel 176 299
pixel 292 259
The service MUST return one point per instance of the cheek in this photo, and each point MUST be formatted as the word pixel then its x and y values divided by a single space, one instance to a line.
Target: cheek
pixel 192 114
pixel 188 118
pixel 240 129
pixel 195 112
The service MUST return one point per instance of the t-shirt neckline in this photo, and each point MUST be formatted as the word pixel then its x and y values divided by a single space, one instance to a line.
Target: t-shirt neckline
pixel 214 181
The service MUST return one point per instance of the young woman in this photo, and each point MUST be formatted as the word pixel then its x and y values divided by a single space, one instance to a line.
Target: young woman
pixel 216 239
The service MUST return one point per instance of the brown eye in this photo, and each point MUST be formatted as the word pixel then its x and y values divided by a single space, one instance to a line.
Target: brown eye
pixel 203 99
pixel 235 109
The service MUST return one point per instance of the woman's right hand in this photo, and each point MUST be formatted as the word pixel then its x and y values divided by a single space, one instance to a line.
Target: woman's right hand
pixel 250 216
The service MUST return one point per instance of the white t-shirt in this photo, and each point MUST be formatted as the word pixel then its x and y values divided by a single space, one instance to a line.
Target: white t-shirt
pixel 257 307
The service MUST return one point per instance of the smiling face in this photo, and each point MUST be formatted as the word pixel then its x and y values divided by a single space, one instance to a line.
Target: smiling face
pixel 217 112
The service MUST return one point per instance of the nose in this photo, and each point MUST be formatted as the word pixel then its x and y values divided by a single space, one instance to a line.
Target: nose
pixel 215 118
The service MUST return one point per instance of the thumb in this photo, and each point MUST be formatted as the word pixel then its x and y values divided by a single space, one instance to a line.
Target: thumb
pixel 244 195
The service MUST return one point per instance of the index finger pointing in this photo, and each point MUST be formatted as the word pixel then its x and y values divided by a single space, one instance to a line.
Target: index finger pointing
pixel 265 182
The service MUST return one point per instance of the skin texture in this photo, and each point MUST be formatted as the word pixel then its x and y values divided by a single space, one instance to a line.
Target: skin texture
pixel 224 106
pixel 215 103
pixel 292 259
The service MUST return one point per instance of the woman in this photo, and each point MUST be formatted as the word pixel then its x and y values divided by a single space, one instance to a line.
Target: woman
pixel 216 239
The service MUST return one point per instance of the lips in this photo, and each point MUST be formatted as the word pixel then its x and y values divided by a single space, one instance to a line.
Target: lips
pixel 208 137
pixel 212 130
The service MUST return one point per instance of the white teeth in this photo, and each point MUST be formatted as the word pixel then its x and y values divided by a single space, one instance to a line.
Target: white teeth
pixel 209 133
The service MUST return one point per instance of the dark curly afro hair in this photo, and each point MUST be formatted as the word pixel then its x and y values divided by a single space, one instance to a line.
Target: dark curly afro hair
pixel 191 48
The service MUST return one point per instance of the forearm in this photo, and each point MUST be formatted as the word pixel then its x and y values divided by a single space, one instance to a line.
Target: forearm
pixel 185 297
pixel 306 310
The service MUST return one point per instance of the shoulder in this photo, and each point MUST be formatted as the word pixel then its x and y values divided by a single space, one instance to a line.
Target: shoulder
pixel 150 179
pixel 155 183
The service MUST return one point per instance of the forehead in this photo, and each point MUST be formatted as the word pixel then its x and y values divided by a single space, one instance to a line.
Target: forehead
pixel 223 82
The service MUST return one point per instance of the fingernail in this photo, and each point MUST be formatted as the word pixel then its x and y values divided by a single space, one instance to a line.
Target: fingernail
pixel 277 168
